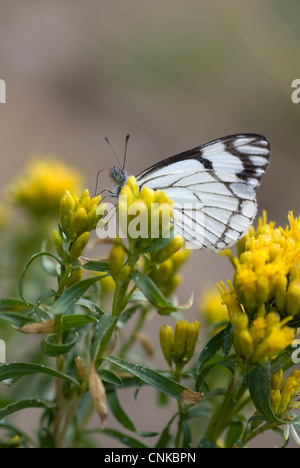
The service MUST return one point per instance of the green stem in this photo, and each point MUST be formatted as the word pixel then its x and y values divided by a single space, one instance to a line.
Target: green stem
pixel 137 328
pixel 59 361
pixel 228 408
pixel 118 305
pixel 177 374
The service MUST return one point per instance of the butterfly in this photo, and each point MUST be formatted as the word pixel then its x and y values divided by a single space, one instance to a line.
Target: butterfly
pixel 213 187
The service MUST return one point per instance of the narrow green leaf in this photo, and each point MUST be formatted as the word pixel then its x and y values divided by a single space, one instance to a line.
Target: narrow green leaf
pixel 94 265
pixel 155 296
pixel 151 377
pixel 91 306
pixel 165 438
pixel 125 439
pixel 211 364
pixel 71 295
pixel 234 433
pixel 15 305
pixel 50 348
pixel 77 320
pixel 99 345
pixel 259 382
pixel 16 318
pixel 31 260
pixel 111 378
pixel 187 434
pixel 212 347
pixel 20 405
pixel 119 412
pixel 15 370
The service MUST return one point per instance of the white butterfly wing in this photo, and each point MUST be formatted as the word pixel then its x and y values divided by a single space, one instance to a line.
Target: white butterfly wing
pixel 213 188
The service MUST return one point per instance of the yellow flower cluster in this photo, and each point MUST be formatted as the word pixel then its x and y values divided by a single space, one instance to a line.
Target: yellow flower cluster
pixel 267 269
pixel 261 339
pixel 282 393
pixel 180 347
pixel 144 215
pixel 43 184
pixel 166 276
pixel 78 218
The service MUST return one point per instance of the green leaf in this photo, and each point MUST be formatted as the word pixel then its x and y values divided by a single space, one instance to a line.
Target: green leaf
pixel 99 345
pixel 50 347
pixel 229 363
pixel 14 305
pixel 15 370
pixel 20 405
pixel 259 382
pixel 91 306
pixel 71 295
pixel 111 378
pixel 16 318
pixel 119 412
pixel 154 295
pixel 31 260
pixel 212 347
pixel 234 433
pixel 187 435
pixel 15 311
pixel 76 320
pixel 124 438
pixel 94 265
pixel 165 438
pixel 151 377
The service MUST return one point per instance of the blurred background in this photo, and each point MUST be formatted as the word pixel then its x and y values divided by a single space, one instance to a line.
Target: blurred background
pixel 174 75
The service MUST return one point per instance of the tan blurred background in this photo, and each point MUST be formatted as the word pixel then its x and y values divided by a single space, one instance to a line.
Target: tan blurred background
pixel 173 74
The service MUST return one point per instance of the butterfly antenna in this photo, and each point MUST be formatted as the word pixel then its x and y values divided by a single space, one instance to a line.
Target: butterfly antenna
pixel 111 147
pixel 125 152
pixel 97 180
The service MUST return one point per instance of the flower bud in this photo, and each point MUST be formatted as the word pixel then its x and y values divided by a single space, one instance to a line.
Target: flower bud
pixel 293 298
pixel 78 245
pixel 67 207
pixel 277 380
pixel 170 249
pixel 166 342
pixel 244 344
pixel 117 257
pixel 275 398
pixel 57 239
pixel 78 222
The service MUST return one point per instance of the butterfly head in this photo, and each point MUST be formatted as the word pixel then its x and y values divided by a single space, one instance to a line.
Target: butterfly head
pixel 119 176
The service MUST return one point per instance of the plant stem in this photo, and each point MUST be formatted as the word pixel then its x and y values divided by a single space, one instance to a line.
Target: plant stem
pixel 228 408
pixel 59 360
pixel 137 328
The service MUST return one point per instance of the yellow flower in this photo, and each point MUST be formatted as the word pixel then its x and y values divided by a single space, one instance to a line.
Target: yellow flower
pixel 263 338
pixel 282 394
pixel 180 347
pixel 214 309
pixel 267 269
pixel 78 217
pixel 145 215
pixel 43 184
pixel 289 390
